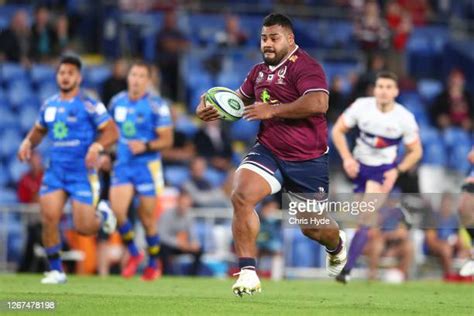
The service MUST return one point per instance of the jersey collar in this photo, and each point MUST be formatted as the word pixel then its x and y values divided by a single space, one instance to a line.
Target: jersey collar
pixel 273 68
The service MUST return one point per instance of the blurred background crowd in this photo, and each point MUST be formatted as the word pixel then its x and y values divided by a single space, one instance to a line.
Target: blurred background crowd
pixel 195 45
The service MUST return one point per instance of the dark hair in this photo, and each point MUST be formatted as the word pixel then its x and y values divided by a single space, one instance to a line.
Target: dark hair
pixel 72 60
pixel 278 19
pixel 142 63
pixel 387 75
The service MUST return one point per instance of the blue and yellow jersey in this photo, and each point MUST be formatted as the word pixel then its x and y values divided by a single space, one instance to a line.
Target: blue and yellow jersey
pixel 72 126
pixel 138 120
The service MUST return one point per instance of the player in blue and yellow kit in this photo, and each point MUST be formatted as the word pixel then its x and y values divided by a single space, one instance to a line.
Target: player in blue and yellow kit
pixel 145 129
pixel 78 127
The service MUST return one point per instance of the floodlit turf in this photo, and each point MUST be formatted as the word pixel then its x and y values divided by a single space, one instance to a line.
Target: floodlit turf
pixel 190 296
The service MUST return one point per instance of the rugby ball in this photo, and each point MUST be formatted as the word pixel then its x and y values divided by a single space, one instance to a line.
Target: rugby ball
pixel 226 102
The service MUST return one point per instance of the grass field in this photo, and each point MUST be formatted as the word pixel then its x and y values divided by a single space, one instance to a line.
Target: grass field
pixel 113 296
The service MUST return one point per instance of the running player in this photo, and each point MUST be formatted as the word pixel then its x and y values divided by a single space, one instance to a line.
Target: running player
pixel 79 128
pixel 383 124
pixel 467 214
pixel 288 93
pixel 145 129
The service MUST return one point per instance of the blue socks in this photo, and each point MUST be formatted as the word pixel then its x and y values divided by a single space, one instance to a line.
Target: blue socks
pixel 126 231
pixel 53 258
pixel 153 242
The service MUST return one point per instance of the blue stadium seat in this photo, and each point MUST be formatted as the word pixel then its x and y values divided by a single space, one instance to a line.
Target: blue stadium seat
pixel 434 153
pixel 8 196
pixel 229 80
pixel 176 175
pixel 17 169
pixel 304 252
pixel 411 100
pixel 4 176
pixel 215 177
pixel 186 126
pixel 11 139
pixel 46 90
pixel 244 130
pixel 8 119
pixel 95 76
pixel 456 136
pixel 20 92
pixel 204 28
pixel 27 116
pixel 41 73
pixel 12 72
pixel 429 89
pixel 457 159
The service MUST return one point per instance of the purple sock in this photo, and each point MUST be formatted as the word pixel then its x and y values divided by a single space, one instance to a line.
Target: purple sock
pixel 357 245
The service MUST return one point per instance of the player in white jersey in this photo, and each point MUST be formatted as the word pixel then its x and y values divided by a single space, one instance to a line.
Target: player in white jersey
pixel 383 125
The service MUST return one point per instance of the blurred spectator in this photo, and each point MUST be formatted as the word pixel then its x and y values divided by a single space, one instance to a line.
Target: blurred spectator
pixel 171 43
pixel 30 183
pixel 62 35
pixel 337 101
pixel 442 236
pixel 454 106
pixel 177 235
pixel 419 10
pixel 183 149
pixel 155 80
pixel 214 144
pixel 400 24
pixel 392 242
pixel 201 190
pixel 270 239
pixel 364 85
pixel 117 82
pixel 42 36
pixel 370 29
pixel 232 36
pixel 15 41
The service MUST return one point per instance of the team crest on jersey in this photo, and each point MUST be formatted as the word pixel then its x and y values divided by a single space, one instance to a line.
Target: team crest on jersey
pixel 265 96
pixel 128 129
pixel 281 75
pixel 270 77
pixel 60 130
pixel 259 77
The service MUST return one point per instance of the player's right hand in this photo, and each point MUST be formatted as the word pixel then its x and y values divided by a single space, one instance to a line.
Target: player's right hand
pixel 351 167
pixel 24 152
pixel 92 156
pixel 205 112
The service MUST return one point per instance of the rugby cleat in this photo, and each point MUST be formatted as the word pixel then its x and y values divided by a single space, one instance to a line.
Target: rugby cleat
pixel 54 277
pixel 247 283
pixel 335 263
pixel 132 265
pixel 343 278
pixel 151 274
pixel 467 269
pixel 109 222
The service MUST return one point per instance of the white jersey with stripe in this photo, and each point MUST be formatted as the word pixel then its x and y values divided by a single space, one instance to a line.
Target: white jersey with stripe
pixel 380 133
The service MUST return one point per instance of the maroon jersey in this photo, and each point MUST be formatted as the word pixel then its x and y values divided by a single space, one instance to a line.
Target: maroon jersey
pixel 298 74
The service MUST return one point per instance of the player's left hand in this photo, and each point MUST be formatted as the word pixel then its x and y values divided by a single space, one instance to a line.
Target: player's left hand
pixel 390 176
pixel 137 147
pixel 259 111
